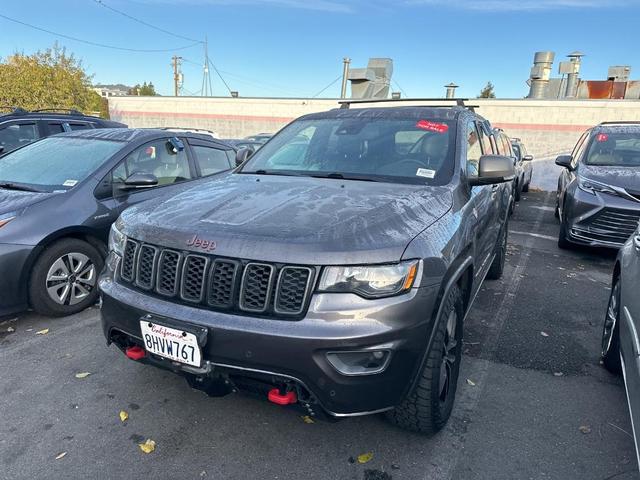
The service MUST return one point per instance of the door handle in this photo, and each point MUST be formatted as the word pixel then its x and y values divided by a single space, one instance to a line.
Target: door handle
pixel 636 241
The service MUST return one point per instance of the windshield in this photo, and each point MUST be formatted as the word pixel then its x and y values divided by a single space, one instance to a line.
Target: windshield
pixel 56 163
pixel 615 150
pixel 361 148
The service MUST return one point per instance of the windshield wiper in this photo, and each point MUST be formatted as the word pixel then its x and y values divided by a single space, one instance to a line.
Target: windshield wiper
pixel 18 186
pixel 272 172
pixel 341 176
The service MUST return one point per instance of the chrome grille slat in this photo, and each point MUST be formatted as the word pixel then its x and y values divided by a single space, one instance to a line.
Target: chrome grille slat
pixel 240 286
pixel 610 225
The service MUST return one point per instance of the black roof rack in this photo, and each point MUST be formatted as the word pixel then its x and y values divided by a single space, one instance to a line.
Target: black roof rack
pixel 623 122
pixel 459 102
pixel 70 111
pixel 13 110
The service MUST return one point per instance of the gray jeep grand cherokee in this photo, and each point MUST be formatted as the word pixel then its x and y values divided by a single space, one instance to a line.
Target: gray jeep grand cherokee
pixel 331 271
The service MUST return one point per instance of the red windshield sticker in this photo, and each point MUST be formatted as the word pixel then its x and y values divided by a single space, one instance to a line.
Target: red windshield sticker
pixel 432 126
pixel 602 137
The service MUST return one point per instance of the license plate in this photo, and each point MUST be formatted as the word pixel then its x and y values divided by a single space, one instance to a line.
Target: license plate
pixel 171 343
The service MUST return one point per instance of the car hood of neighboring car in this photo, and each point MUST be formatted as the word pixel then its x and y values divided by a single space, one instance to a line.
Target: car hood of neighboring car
pixel 291 219
pixel 624 177
pixel 16 200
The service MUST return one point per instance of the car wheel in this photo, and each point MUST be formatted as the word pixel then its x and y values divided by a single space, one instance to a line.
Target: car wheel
pixel 428 406
pixel 64 279
pixel 611 331
pixel 556 211
pixel 562 237
pixel 497 266
pixel 516 193
pixel 525 187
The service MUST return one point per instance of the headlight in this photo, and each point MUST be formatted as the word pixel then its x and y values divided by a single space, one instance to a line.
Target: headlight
pixel 7 217
pixel 591 186
pixel 370 281
pixel 117 239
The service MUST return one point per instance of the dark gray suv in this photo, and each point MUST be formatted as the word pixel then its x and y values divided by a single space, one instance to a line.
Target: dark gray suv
pixel 598 199
pixel 335 280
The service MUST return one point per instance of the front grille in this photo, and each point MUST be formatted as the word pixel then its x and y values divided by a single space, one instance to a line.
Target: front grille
pixel 611 225
pixel 238 286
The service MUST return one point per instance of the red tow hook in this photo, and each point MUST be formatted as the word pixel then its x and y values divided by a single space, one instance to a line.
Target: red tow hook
pixel 287 399
pixel 135 353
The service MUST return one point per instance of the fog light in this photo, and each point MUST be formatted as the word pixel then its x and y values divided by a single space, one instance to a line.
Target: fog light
pixel 364 362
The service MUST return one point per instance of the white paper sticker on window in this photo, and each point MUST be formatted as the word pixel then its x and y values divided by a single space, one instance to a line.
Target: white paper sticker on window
pixel 425 172
pixel 70 183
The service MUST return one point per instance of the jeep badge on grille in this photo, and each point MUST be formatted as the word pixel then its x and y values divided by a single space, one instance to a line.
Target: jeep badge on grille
pixel 207 245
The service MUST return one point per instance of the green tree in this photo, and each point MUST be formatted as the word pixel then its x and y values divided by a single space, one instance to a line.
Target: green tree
pixel 51 78
pixel 487 91
pixel 147 89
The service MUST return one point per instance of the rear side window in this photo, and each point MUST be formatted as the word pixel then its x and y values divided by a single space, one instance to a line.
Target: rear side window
pixel 79 126
pixel 211 160
pixel 17 135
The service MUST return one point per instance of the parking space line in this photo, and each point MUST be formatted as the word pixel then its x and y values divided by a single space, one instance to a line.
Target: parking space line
pixel 467 403
pixel 536 235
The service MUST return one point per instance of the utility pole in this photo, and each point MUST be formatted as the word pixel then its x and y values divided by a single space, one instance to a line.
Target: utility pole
pixel 176 73
pixel 345 76
pixel 206 77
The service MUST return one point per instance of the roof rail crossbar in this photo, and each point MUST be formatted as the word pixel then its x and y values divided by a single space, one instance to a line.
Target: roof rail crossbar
pixel 459 102
pixel 622 122
pixel 70 111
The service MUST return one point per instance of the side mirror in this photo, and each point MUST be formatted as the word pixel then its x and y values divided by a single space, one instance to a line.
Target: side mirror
pixel 527 158
pixel 139 180
pixel 564 161
pixel 243 155
pixel 494 169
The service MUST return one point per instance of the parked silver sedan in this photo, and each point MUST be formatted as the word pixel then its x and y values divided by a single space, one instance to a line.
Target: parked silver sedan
pixel 620 341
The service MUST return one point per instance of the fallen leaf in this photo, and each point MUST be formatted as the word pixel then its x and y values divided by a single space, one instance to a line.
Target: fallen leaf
pixel 83 374
pixel 558 374
pixel 123 416
pixel 61 455
pixel 42 332
pixel 365 457
pixel 544 334
pixel 471 382
pixel 307 419
pixel 585 429
pixel 11 329
pixel 148 446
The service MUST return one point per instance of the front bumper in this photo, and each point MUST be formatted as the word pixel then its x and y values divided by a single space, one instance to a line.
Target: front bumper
pixel 13 281
pixel 599 220
pixel 297 349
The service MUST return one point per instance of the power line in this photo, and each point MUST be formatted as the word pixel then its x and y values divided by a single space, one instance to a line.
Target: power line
pixel 142 22
pixel 96 44
pixel 221 78
pixel 325 88
pixel 401 89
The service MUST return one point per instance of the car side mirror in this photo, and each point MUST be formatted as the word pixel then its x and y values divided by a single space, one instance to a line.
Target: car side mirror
pixel 564 161
pixel 527 158
pixel 494 169
pixel 243 155
pixel 1 149
pixel 139 180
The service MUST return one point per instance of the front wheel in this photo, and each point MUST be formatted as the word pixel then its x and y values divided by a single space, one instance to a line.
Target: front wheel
pixel 500 252
pixel 562 237
pixel 64 279
pixel 611 331
pixel 428 406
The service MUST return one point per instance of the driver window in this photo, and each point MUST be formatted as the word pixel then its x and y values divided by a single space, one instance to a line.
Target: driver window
pixel 155 158
pixel 474 151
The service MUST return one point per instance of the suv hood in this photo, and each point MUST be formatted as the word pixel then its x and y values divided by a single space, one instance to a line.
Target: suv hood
pixel 624 177
pixel 291 219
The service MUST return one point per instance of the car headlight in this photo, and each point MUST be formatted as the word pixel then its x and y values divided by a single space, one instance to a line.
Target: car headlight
pixel 117 239
pixel 370 281
pixel 591 186
pixel 6 218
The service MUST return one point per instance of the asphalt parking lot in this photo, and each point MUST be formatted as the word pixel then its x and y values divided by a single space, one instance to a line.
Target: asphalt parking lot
pixel 533 401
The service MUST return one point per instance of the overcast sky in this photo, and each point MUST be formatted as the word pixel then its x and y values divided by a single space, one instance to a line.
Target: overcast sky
pixel 295 47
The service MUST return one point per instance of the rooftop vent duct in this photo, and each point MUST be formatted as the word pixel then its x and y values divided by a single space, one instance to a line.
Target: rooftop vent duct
pixel 540 73
pixel 373 81
pixel 619 73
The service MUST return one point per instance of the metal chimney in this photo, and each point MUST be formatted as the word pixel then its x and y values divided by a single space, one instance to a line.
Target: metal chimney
pixel 540 73
pixel 573 76
pixel 346 61
pixel 451 90
pixel 373 81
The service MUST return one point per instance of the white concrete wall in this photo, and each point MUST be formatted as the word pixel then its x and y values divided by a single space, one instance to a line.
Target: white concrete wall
pixel 548 127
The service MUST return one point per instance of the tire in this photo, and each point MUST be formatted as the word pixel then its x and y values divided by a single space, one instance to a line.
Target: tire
pixel 64 279
pixel 563 243
pixel 497 266
pixel 525 187
pixel 427 408
pixel 516 193
pixel 611 331
pixel 556 211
